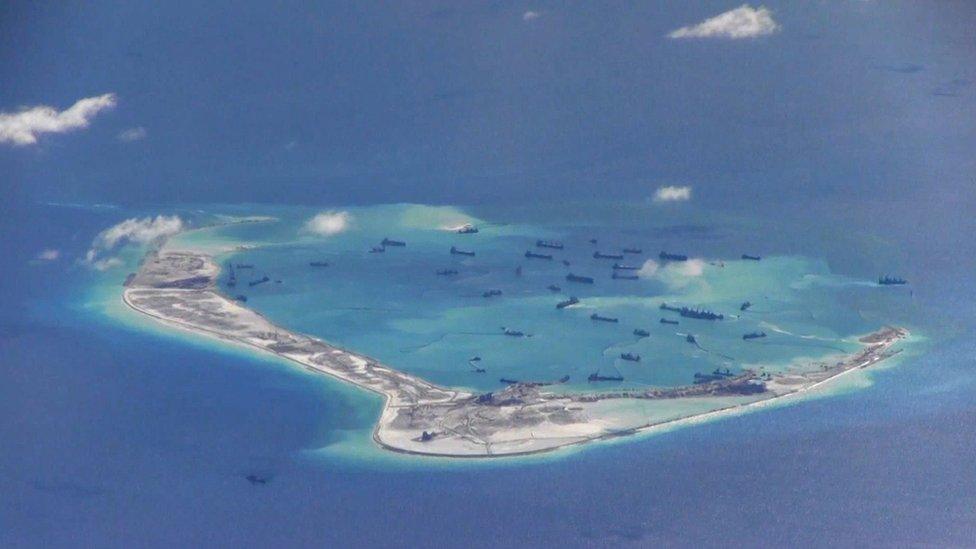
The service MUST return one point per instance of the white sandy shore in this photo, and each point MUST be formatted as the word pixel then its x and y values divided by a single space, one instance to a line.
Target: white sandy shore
pixel 177 288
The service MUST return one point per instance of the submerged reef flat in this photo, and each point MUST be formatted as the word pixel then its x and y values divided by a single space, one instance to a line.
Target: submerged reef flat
pixel 179 288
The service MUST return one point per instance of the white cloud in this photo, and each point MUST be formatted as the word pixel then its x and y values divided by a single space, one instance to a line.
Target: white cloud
pixel 690 268
pixel 24 127
pixel 49 255
pixel 328 223
pixel 130 231
pixel 742 22
pixel 530 15
pixel 672 194
pixel 649 269
pixel 132 134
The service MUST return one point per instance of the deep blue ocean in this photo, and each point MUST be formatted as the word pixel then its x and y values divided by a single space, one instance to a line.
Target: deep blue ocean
pixel 841 146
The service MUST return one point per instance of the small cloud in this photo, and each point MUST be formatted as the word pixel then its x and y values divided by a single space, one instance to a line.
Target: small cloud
pixel 672 194
pixel 49 255
pixel 132 134
pixel 130 231
pixel 742 22
pixel 328 223
pixel 24 127
pixel 531 15
pixel 690 268
pixel 648 269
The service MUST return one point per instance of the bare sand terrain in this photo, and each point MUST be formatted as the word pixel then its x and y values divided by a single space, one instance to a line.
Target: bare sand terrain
pixel 178 288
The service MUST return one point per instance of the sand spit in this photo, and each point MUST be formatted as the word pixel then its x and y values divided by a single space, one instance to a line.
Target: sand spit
pixel 178 288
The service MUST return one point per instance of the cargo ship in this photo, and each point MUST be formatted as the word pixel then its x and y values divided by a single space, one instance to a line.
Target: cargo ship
pixel 513 333
pixel 687 312
pixel 581 279
pixel 891 281
pixel 633 251
pixel 533 255
pixel 668 321
pixel 599 318
pixel 456 251
pixel 387 242
pixel 596 376
pixel 619 276
pixel 751 257
pixel 641 333
pixel 567 303
pixel 754 335
pixel 630 356
pixel 665 256
pixel 549 244
pixel 599 255
pixel 319 263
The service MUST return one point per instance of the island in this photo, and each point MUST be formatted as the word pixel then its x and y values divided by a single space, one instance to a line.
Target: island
pixel 178 288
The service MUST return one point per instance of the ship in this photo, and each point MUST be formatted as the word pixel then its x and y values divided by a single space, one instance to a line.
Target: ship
pixel 581 279
pixel 255 479
pixel 245 266
pixel 567 303
pixel 665 256
pixel 377 250
pixel 518 271
pixel 566 262
pixel 592 241
pixel 533 255
pixel 446 272
pixel 599 255
pixel 745 305
pixel 641 333
pixel 754 335
pixel 232 279
pixel 387 242
pixel 716 375
pixel 891 281
pixel 691 339
pixel 600 318
pixel 619 276
pixel 554 288
pixel 467 229
pixel 687 312
pixel 508 381
pixel 751 257
pixel 622 267
pixel 242 298
pixel 491 293
pixel 549 244
pixel 668 321
pixel 513 333
pixel 318 264
pixel 630 356
pixel 633 251
pixel 596 376
pixel 455 251
pixel 261 280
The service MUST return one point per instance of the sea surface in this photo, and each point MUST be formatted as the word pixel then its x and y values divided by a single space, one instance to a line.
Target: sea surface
pixel 118 432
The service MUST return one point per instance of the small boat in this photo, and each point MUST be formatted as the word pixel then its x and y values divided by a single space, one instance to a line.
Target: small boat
pixel 386 243
pixel 491 293
pixel 754 335
pixel 599 318
pixel 256 479
pixel 242 298
pixel 554 288
pixel 447 272
pixel 563 304
pixel 377 249
pixel 513 333
pixel 533 255
pixel 456 251
pixel 641 333
pixel 691 339
pixel 508 381
pixel 581 279
pixel 592 241
pixel 633 251
pixel 566 262
pixel 630 356
pixel 261 280
pixel 745 305
pixel 549 244
pixel 665 256
pixel 518 271
pixel 891 281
